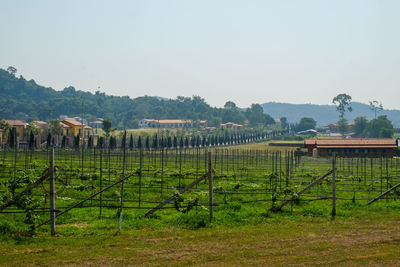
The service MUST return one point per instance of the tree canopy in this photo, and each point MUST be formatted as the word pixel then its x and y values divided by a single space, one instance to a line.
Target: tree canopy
pixel 342 102
pixel 305 124
pixel 380 127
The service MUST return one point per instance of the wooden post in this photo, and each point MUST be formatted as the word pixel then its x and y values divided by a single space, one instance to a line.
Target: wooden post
pixel 334 186
pixel 52 195
pixel 140 174
pixel 101 180
pixel 122 183
pixel 210 186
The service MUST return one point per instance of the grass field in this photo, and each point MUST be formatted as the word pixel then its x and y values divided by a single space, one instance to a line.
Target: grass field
pixel 372 240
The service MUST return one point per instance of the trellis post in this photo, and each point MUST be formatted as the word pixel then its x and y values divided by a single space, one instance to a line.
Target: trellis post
pixel 210 186
pixel 52 195
pixel 334 186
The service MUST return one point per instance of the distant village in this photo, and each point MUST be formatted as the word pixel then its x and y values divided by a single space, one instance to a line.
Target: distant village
pixel 71 128
pixel 66 132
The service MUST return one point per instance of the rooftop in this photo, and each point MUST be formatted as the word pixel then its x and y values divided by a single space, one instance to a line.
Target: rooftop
pixel 74 122
pixel 352 142
pixel 16 122
pixel 168 121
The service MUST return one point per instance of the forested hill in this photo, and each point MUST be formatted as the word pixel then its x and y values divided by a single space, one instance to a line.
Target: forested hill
pixel 26 100
pixel 325 114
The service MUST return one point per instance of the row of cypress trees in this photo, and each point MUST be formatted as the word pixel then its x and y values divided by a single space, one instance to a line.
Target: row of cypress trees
pixel 157 142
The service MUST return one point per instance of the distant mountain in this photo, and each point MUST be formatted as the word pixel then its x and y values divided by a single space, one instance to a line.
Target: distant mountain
pixel 325 114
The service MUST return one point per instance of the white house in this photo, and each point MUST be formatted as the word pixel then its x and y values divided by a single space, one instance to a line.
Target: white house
pixel 151 123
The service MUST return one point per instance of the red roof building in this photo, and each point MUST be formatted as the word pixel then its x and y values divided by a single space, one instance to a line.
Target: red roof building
pixel 352 147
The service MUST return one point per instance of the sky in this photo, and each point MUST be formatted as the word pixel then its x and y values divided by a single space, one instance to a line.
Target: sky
pixel 244 51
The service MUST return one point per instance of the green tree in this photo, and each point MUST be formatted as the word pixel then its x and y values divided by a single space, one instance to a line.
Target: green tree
pixel 342 102
pixel 214 121
pixel 131 144
pixel 230 105
pixel 31 128
pixel 55 127
pixel 256 116
pixel 342 126
pixel 12 70
pixel 284 123
pixel 107 126
pixel 231 113
pixel 360 123
pixel 305 123
pixel 4 125
pixel 48 144
pixel 31 140
pixel 64 142
pixel 380 127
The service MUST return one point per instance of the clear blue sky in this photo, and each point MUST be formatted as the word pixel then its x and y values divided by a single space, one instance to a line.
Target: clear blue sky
pixel 245 51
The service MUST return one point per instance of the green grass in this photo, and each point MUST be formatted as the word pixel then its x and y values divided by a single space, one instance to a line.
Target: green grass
pixel 371 239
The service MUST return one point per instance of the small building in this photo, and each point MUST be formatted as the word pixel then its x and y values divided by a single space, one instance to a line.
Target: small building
pixel 231 125
pixel 66 129
pixel 19 126
pixel 334 127
pixel 96 125
pixel 76 128
pixel 151 123
pixel 308 132
pixel 352 147
pixel 40 126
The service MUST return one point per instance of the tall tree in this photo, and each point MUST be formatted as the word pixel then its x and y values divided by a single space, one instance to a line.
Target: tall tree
pixel 31 140
pixel 343 127
pixel 230 105
pixel 342 102
pixel 55 127
pixel 12 70
pixel 107 126
pixel 375 106
pixel 360 123
pixel 284 123
pixel 131 144
pixel 255 114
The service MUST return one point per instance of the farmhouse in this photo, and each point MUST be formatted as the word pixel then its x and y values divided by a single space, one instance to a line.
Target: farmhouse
pixel 19 127
pixel 75 127
pixel 41 126
pixel 354 147
pixel 96 125
pixel 334 127
pixel 66 129
pixel 151 123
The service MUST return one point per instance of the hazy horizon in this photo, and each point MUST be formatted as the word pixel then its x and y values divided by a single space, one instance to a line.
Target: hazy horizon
pixel 245 51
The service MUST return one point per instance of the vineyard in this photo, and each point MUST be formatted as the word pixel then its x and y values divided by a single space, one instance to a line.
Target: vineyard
pixel 190 188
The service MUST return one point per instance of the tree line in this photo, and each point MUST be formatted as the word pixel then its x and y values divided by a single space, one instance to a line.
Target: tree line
pixel 26 100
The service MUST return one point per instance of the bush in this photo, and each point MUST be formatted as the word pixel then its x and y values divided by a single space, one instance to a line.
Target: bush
pixel 6 228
